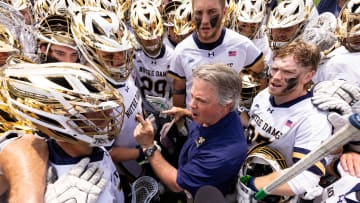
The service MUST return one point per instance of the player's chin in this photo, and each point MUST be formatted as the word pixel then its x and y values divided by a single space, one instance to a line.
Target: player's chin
pixel 274 89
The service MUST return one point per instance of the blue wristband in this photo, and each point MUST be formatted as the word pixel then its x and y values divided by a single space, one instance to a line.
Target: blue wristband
pixel 252 185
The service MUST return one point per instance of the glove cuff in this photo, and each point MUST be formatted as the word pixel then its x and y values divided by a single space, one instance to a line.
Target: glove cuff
pixel 249 182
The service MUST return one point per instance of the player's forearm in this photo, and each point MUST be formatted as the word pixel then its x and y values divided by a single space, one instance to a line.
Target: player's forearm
pixel 119 154
pixel 261 182
pixel 24 162
pixel 179 100
pixel 4 186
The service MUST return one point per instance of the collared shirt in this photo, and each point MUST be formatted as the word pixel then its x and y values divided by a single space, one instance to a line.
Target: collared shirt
pixel 212 155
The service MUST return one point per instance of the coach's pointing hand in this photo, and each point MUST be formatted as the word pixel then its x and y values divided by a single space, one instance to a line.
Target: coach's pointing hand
pixel 144 132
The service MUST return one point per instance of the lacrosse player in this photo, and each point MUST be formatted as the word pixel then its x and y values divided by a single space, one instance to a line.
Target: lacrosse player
pixel 283 118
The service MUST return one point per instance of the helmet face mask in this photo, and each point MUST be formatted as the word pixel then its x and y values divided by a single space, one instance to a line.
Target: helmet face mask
pixel 67 101
pixel 54 35
pixel 248 29
pixel 250 15
pixel 281 36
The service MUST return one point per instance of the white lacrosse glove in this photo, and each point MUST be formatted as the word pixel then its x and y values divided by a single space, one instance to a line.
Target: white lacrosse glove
pixel 82 184
pixel 335 95
pixel 338 121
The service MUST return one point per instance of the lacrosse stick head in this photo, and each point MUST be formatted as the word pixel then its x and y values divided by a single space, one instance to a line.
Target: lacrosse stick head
pixel 144 189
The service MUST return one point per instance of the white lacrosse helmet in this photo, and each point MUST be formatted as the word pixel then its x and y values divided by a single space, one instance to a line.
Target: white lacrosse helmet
pixel 287 14
pixel 183 23
pixel 146 22
pixel 104 42
pixel 349 26
pixel 261 161
pixel 66 101
pixel 250 13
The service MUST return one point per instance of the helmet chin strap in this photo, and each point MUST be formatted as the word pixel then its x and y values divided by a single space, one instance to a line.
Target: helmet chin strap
pixel 153 48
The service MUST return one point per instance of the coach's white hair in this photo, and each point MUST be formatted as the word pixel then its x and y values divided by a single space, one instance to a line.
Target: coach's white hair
pixel 225 79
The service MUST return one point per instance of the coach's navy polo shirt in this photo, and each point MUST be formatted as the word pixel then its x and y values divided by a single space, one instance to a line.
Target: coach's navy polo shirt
pixel 212 155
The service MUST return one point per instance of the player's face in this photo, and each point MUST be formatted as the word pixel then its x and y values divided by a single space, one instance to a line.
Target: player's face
pixel 208 16
pixel 59 53
pixel 101 119
pixel 354 42
pixel 288 79
pixel 248 29
pixel 204 103
pixel 152 46
pixel 3 57
pixel 112 59
pixel 284 34
pixel 172 35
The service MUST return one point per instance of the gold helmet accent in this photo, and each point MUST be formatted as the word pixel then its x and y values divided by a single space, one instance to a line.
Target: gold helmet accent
pixel 8 42
pixel 348 30
pixel 230 18
pixel 66 101
pixel 124 9
pixel 250 87
pixel 169 12
pixel 9 122
pixel 183 22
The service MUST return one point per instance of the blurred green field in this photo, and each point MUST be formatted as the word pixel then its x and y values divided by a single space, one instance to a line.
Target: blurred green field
pixel 316 2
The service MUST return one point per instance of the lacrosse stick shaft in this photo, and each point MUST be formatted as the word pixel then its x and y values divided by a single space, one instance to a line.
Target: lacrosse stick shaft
pixel 347 133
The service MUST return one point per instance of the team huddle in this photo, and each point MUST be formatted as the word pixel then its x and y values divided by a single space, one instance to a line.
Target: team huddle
pixel 97 95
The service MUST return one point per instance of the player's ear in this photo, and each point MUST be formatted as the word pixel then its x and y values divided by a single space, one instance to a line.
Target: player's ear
pixel 309 75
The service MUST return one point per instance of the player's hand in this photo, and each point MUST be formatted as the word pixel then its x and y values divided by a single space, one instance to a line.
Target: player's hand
pixel 350 162
pixel 83 184
pixel 144 132
pixel 334 95
pixel 177 113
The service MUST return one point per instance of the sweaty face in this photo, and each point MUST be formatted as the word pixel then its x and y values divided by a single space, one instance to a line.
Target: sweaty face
pixel 284 34
pixel 3 57
pixel 59 53
pixel 248 29
pixel 208 16
pixel 116 65
pixel 287 79
pixel 204 103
